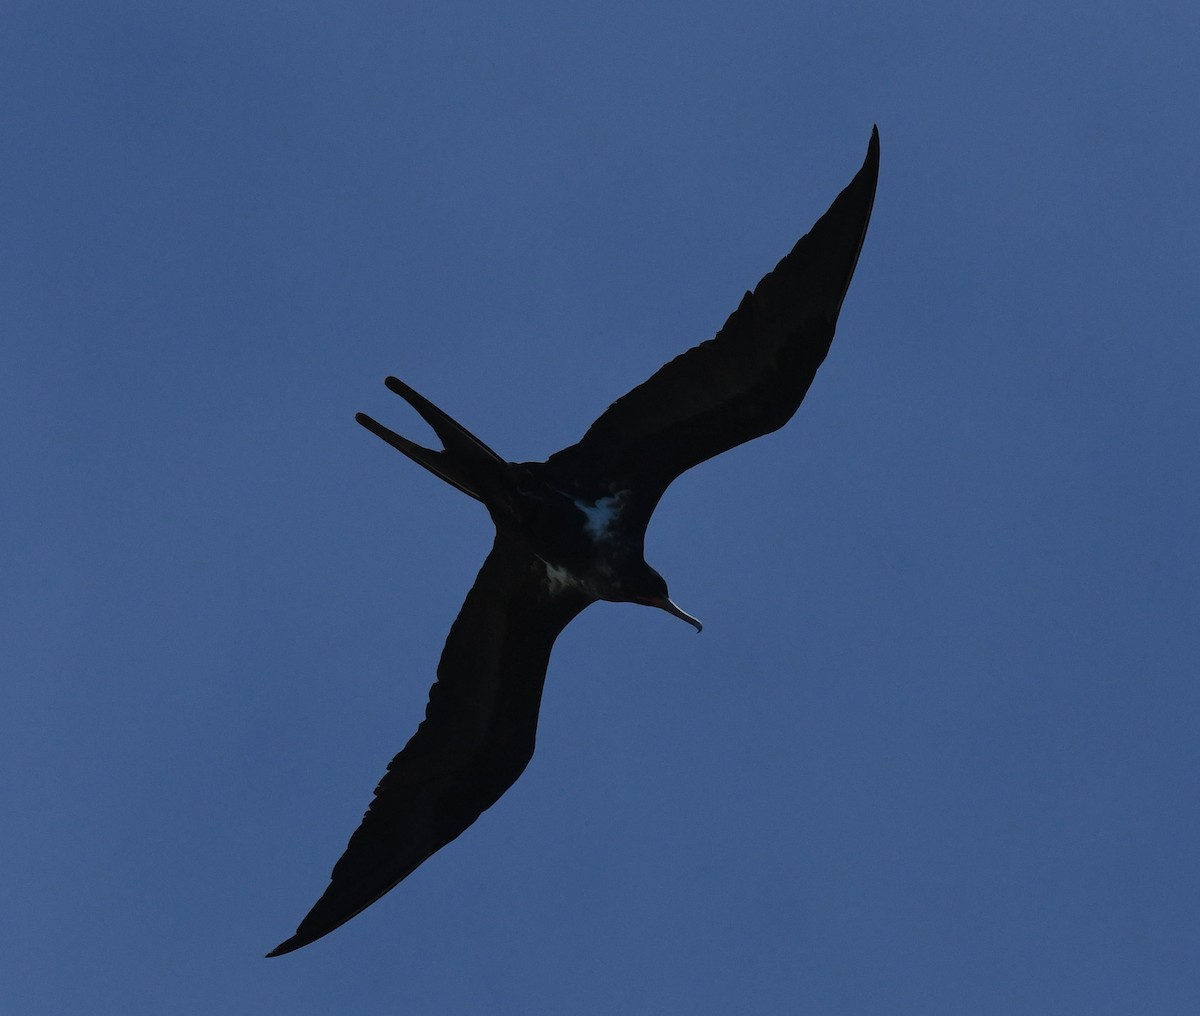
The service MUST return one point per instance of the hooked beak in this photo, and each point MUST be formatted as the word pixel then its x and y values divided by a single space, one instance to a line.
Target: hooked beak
pixel 665 603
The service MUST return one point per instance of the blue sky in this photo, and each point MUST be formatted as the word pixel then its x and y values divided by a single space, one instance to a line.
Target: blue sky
pixel 936 750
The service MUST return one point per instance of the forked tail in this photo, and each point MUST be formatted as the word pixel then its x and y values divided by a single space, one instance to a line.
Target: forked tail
pixel 465 461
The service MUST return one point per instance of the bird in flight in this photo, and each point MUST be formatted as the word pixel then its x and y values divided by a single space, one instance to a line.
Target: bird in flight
pixel 569 532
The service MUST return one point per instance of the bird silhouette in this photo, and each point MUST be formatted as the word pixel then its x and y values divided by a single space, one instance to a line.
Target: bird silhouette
pixel 569 532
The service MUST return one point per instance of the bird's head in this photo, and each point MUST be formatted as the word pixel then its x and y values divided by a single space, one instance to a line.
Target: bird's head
pixel 650 588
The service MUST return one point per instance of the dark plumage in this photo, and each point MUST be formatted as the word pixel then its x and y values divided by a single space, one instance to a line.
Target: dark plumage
pixel 569 531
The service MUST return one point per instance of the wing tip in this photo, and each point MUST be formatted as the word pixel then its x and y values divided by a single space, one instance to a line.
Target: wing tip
pixel 291 945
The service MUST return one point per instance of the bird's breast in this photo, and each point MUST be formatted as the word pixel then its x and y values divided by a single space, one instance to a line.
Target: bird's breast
pixel 580 540
pixel 602 517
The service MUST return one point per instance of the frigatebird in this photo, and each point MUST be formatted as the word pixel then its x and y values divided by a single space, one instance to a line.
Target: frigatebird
pixel 569 532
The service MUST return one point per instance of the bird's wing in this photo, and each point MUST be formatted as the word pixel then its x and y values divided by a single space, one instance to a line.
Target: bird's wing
pixel 751 377
pixel 476 738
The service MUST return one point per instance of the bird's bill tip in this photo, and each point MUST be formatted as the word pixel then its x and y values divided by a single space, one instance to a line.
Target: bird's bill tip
pixel 667 604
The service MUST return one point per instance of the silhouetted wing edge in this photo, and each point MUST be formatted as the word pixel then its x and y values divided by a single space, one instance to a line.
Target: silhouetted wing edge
pixel 752 376
pixel 476 739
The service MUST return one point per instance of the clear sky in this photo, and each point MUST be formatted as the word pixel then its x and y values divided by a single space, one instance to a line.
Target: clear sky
pixel 937 749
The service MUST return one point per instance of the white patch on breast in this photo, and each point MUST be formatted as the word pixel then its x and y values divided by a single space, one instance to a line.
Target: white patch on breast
pixel 601 515
pixel 558 579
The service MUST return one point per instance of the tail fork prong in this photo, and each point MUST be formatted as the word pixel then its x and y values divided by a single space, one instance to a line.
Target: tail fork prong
pixel 431 460
pixel 465 462
pixel 455 437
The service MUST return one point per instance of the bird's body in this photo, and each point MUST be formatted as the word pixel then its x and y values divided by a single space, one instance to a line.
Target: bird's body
pixel 569 532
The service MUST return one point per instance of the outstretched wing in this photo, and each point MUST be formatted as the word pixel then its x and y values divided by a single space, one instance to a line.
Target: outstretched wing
pixel 476 738
pixel 750 378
